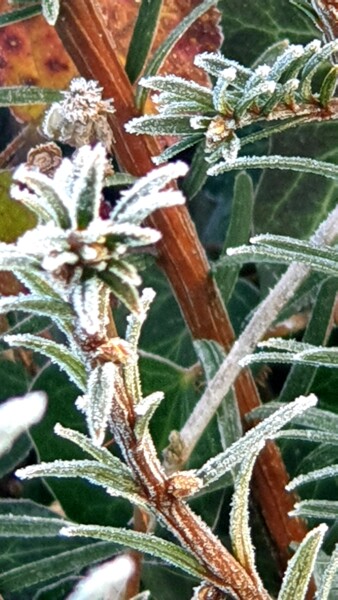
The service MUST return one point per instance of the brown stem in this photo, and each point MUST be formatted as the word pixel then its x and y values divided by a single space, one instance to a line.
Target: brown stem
pixel 165 495
pixel 91 47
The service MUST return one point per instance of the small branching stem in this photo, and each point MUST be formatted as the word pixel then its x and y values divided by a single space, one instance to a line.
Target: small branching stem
pixel 163 495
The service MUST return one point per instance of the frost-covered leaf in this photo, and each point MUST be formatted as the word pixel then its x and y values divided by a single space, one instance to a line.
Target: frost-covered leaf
pixel 328 577
pixel 29 526
pixel 145 197
pixel 144 410
pixel 101 454
pixel 218 465
pixel 98 399
pixel 58 353
pixel 316 509
pixel 90 299
pixel 58 311
pixel 316 475
pixel 149 544
pixel 239 517
pixel 89 166
pixel 296 352
pixel 114 478
pixel 283 249
pixel 17 415
pixel 133 332
pixel 300 567
pixel 41 196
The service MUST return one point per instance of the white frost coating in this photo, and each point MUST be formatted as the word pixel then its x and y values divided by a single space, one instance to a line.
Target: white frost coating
pixel 229 74
pixel 101 385
pixel 263 71
pixel 108 581
pixel 17 415
pixel 218 465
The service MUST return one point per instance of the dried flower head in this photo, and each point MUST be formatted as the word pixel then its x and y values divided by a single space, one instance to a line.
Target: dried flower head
pixel 81 117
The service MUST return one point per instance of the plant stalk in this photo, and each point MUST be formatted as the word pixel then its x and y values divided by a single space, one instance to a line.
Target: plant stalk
pixel 84 34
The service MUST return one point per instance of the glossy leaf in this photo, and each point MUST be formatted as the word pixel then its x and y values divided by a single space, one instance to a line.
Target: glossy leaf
pixel 143 35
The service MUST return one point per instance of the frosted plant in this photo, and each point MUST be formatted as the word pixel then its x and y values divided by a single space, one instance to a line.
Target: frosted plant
pixel 72 262
pixel 273 97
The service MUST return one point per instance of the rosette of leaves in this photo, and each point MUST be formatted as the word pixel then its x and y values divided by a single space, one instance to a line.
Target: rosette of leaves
pixel 283 92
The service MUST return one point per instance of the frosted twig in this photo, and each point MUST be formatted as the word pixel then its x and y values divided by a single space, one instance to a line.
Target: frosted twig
pixel 246 343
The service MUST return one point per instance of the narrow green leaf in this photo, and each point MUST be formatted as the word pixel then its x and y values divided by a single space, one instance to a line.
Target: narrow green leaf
pixel 317 418
pixel 45 569
pixel 318 474
pixel 19 14
pixel 100 390
pixel 21 95
pixel 197 174
pixel 214 468
pixel 176 148
pixel 50 10
pixel 162 52
pixel 142 38
pixel 88 184
pixel 316 509
pixel 160 125
pixel 133 332
pixel 297 352
pixel 288 163
pixel 143 542
pixel 238 232
pixel 145 196
pixel 34 279
pixel 309 435
pixel 115 478
pixel 313 65
pixel 28 526
pixel 43 197
pixel 299 570
pixel 179 89
pixel 328 578
pixel 299 379
pixel 239 517
pixel 60 312
pixel 100 453
pixel 58 353
pixel 123 291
